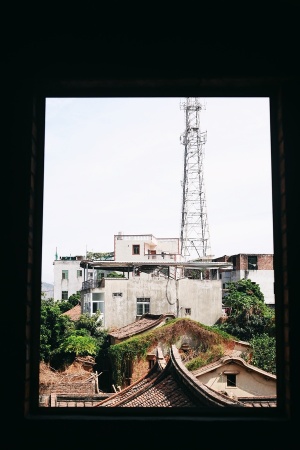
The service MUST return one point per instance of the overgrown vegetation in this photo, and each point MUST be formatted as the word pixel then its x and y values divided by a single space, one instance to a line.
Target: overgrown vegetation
pixel 249 316
pixel 264 352
pixel 136 348
pixel 204 358
pixel 250 320
pixel 62 339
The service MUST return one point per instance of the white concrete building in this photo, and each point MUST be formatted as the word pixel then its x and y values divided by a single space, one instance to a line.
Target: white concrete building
pixel 152 280
pixel 68 277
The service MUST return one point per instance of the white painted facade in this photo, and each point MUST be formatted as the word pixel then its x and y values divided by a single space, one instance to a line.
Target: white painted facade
pixel 122 301
pixel 68 277
pixel 146 247
pixel 249 381
pixel 162 290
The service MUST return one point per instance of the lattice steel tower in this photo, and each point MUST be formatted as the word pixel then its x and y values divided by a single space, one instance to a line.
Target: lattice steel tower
pixel 195 240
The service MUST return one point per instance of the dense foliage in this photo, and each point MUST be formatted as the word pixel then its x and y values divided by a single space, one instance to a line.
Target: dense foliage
pixel 264 352
pixel 248 316
pixel 210 344
pixel 251 320
pixel 62 339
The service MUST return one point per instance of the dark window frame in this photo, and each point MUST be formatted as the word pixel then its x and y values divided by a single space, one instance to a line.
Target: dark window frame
pixel 222 90
pixel 252 262
pixel 136 249
pixel 64 295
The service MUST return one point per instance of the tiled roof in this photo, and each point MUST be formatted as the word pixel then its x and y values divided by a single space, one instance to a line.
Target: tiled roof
pixel 73 313
pixel 168 385
pixel 145 323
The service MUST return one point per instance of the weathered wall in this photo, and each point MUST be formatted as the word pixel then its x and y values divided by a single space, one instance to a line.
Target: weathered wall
pixel 202 297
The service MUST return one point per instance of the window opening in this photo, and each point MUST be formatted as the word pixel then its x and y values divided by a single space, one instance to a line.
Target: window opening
pixel 231 380
pixel 252 263
pixel 142 306
pixel 65 274
pixel 135 249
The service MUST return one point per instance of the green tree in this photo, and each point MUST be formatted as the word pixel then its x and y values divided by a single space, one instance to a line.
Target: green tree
pixel 264 352
pixel 92 324
pixel 115 275
pixel 54 327
pixel 62 339
pixel 79 344
pixel 251 320
pixel 72 301
pixel 249 316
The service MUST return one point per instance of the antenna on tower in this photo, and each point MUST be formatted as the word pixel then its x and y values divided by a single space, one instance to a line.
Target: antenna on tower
pixel 194 236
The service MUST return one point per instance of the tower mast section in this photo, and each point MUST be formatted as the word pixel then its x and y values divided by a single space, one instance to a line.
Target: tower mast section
pixel 194 235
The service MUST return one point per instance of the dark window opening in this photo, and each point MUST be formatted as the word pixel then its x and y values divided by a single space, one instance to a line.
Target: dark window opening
pixel 231 380
pixel 65 275
pixel 135 249
pixel 252 263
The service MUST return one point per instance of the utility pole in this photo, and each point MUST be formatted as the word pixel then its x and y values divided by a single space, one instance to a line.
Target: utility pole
pixel 194 237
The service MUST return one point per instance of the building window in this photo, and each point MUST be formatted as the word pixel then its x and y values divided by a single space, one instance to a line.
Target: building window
pixel 231 380
pixel 65 275
pixel 252 262
pixel 64 295
pixel 188 311
pixel 79 273
pixel 142 306
pixel 97 303
pixel 135 249
pixel 233 260
pixel 117 294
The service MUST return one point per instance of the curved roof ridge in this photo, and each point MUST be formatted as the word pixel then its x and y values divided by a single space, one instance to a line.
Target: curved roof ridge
pixel 201 390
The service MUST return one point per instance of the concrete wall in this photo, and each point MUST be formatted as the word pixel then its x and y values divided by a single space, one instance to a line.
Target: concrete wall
pixel 248 384
pixel 123 247
pixel 74 283
pixel 264 278
pixel 202 299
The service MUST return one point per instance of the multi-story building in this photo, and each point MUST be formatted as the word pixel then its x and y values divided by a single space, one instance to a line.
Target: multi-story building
pixel 146 274
pixel 151 280
pixel 68 277
pixel 256 267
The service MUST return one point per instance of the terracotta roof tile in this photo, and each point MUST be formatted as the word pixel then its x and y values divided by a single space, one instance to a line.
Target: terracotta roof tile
pixel 73 313
pixel 145 323
pixel 168 385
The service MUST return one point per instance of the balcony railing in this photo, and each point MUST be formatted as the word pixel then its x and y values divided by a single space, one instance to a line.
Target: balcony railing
pixel 91 284
pixel 162 256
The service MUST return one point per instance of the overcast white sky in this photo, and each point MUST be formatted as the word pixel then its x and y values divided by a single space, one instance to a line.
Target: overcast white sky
pixel 116 164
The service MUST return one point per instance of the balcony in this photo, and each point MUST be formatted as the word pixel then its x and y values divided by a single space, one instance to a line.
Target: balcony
pixel 92 284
